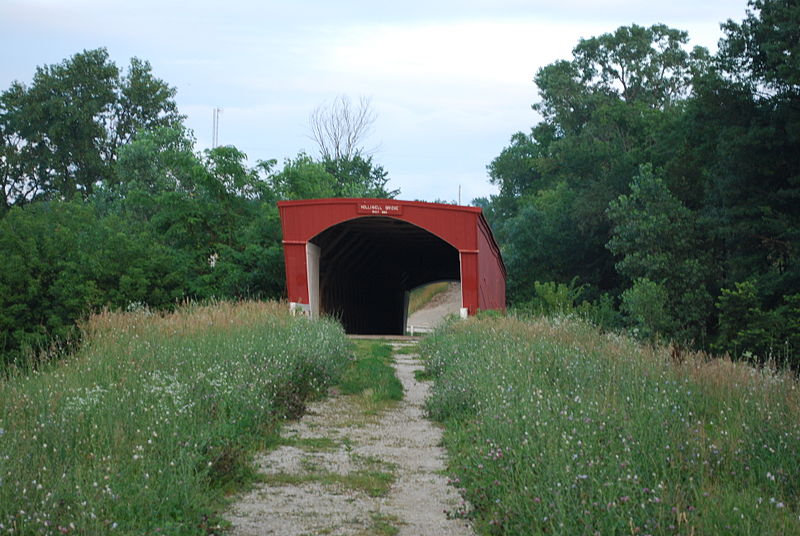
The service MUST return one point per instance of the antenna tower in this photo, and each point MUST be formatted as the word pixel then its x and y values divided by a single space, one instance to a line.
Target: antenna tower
pixel 215 128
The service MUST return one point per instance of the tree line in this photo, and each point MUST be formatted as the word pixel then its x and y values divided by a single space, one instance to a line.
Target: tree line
pixel 106 203
pixel 660 192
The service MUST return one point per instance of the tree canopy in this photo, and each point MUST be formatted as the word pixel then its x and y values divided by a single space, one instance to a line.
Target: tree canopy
pixel 61 134
pixel 666 180
pixel 106 202
pixel 659 193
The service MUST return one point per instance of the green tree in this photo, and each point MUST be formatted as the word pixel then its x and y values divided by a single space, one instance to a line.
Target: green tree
pixel 748 112
pixel 763 51
pixel 216 213
pixel 605 113
pixel 723 133
pixel 515 173
pixel 657 239
pixel 646 305
pixel 61 134
pixel 306 178
pixel 540 244
pixel 744 328
pixel 358 176
pixel 302 178
pixel 61 261
pixel 153 163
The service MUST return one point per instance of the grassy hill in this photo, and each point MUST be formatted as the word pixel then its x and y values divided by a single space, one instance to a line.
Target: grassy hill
pixel 556 428
pixel 147 427
pixel 552 426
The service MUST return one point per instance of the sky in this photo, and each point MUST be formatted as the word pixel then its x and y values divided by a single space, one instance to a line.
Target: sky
pixel 449 81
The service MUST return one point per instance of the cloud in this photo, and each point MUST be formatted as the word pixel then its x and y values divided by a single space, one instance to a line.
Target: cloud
pixel 451 80
pixel 482 52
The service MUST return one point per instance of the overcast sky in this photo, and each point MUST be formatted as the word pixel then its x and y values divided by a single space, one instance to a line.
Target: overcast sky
pixel 450 81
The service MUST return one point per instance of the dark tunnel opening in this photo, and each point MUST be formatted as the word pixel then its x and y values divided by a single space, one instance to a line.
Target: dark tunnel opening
pixel 367 265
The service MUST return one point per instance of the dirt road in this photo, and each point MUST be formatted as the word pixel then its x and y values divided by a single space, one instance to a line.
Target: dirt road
pixel 347 470
pixel 433 314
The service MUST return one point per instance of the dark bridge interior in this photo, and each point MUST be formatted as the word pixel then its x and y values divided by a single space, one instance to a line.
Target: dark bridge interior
pixel 367 264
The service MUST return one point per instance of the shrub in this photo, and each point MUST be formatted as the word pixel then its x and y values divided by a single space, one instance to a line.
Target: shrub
pixel 646 307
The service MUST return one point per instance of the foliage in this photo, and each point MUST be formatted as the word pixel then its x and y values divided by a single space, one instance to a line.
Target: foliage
pixel 358 176
pixel 661 175
pixel 554 428
pixel 646 305
pixel 155 419
pixel 61 261
pixel 551 298
pixel 746 330
pixel 657 239
pixel 765 46
pixel 539 244
pixel 305 178
pixel 106 203
pixel 61 135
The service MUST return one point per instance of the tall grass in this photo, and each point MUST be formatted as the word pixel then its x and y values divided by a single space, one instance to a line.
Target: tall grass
pixel 147 426
pixel 555 428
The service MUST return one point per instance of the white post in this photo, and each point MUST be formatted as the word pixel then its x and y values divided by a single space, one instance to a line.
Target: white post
pixel 312 269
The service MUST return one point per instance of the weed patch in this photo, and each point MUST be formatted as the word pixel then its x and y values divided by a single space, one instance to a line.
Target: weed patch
pixel 373 483
pixel 371 375
pixel 375 349
pixel 421 375
pixel 555 428
pixel 383 525
pixel 311 444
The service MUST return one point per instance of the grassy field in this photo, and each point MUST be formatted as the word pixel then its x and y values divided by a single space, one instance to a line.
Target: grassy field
pixel 147 427
pixel 555 428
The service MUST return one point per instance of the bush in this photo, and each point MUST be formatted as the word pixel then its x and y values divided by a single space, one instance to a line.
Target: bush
pixel 646 307
pixel 602 313
pixel 550 298
pixel 61 261
pixel 746 330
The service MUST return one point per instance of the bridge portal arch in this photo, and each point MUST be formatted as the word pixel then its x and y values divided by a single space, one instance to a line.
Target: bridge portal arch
pixel 357 259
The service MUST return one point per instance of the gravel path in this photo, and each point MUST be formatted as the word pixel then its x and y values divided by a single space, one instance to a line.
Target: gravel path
pixel 312 483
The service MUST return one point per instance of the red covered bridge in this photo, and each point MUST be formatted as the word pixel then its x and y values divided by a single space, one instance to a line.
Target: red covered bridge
pixel 358 259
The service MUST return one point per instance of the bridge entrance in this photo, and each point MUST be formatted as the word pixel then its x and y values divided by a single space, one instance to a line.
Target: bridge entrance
pixel 367 266
pixel 357 259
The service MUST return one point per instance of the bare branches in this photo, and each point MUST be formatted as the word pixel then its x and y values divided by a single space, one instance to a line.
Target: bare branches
pixel 339 128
